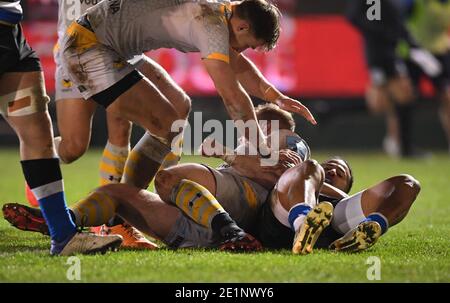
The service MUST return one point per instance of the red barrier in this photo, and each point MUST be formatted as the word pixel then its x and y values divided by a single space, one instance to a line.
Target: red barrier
pixel 316 56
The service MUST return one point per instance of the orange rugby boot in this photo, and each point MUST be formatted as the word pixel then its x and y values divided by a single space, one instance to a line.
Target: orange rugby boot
pixel 132 238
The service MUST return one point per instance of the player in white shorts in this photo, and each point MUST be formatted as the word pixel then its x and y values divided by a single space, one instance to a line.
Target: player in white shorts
pixel 96 47
pixel 74 117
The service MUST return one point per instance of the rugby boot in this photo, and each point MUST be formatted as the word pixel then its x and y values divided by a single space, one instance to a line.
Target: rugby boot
pixel 237 240
pixel 315 222
pixel 360 238
pixel 85 243
pixel 25 218
pixel 132 238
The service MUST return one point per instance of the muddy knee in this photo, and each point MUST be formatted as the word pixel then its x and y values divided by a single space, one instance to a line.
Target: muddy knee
pixel 165 181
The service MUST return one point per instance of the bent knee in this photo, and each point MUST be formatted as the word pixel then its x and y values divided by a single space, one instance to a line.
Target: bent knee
pixel 409 183
pixel 184 107
pixel 165 181
pixel 71 150
pixel 311 167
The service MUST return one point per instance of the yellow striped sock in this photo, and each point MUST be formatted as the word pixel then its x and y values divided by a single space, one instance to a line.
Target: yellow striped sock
pixel 112 163
pixel 94 210
pixel 131 166
pixel 197 202
pixel 174 156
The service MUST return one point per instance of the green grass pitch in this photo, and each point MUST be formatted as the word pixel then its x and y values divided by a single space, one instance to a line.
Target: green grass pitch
pixel 416 250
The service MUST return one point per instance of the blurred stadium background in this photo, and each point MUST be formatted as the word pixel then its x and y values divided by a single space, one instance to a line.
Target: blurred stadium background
pixel 319 60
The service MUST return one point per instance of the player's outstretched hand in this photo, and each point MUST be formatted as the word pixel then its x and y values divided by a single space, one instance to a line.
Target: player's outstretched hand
pixel 296 107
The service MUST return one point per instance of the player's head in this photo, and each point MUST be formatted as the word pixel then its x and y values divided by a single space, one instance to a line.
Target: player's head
pixel 270 112
pixel 254 24
pixel 338 173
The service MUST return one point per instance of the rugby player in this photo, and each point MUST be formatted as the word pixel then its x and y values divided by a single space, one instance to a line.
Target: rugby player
pixel 74 116
pixel 95 49
pixel 358 220
pixel 391 91
pixel 429 24
pixel 23 103
pixel 357 223
pixel 292 213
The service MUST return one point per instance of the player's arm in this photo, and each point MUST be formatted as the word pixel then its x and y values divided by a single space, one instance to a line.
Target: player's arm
pixel 237 102
pixel 257 85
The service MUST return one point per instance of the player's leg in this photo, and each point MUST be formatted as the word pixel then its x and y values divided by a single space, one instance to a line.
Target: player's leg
pixel 146 211
pixel 378 102
pixel 39 163
pixel 102 75
pixel 143 164
pixel 296 195
pixel 191 187
pixel 398 116
pixel 100 206
pixel 145 105
pixel 74 118
pixel 142 209
pixel 116 150
pixel 393 93
pixel 112 167
pixel 365 216
pixel 74 136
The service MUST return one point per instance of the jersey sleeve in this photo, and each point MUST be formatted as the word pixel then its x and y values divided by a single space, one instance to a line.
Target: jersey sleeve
pixel 211 37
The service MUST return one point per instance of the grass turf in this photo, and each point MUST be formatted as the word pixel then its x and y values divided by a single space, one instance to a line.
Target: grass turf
pixel 417 250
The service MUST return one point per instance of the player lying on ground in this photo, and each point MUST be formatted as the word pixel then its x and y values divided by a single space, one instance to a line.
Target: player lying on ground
pixel 392 198
pixel 357 222
pixel 241 189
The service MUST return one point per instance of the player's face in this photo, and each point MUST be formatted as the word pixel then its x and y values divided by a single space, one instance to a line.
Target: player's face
pixel 337 173
pixel 243 38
